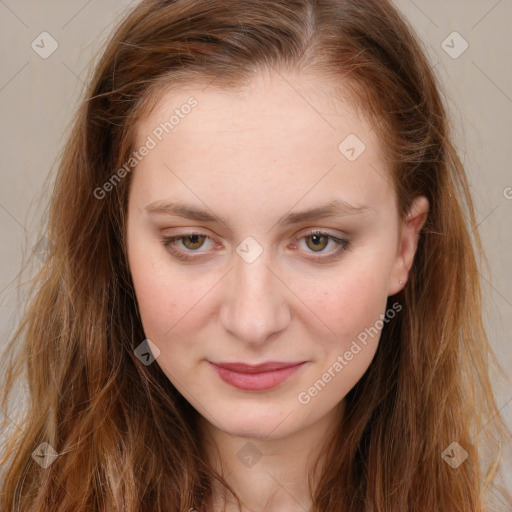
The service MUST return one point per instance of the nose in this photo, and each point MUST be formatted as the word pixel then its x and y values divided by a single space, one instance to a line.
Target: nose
pixel 254 307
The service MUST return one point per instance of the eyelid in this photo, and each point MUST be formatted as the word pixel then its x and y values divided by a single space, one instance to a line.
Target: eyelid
pixel 319 231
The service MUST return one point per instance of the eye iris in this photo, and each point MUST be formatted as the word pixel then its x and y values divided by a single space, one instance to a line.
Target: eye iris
pixel 194 242
pixel 317 238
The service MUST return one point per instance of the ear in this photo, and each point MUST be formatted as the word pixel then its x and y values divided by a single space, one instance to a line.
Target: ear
pixel 408 243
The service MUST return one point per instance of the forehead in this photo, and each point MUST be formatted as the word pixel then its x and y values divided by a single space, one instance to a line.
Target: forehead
pixel 268 102
pixel 283 132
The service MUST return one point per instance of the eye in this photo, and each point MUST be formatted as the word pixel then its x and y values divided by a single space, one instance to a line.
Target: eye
pixel 316 240
pixel 191 241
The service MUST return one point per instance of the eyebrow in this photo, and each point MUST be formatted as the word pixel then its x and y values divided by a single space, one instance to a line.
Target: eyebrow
pixel 336 208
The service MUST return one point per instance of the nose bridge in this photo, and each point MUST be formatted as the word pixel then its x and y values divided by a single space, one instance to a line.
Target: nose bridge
pixel 255 306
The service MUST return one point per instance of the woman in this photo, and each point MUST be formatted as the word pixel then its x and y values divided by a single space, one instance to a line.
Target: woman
pixel 265 296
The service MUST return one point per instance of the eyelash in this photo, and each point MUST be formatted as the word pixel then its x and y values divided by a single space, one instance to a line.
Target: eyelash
pixel 343 245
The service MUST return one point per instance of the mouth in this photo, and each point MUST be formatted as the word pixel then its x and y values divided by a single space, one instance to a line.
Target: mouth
pixel 259 377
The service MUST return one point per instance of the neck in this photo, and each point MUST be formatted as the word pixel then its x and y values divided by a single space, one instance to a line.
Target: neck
pixel 269 475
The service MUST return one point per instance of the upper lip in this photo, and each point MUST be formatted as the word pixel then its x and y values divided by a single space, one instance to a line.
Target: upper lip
pixel 257 368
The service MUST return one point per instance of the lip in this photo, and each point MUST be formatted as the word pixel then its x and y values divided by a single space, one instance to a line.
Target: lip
pixel 256 377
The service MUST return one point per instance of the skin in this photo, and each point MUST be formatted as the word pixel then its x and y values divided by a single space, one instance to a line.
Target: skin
pixel 251 157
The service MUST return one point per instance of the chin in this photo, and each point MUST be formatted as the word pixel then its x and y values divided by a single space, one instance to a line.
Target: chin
pixel 252 431
pixel 264 422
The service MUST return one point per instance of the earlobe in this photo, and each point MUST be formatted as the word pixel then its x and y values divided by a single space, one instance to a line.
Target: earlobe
pixel 408 243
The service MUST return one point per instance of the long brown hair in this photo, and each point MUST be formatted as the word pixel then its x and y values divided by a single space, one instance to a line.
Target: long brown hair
pixel 125 439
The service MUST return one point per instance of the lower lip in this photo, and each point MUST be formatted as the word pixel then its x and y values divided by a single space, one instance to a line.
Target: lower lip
pixel 256 381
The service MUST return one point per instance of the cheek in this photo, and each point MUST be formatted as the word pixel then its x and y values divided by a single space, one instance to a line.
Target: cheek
pixel 348 302
pixel 352 309
pixel 171 312
pixel 167 300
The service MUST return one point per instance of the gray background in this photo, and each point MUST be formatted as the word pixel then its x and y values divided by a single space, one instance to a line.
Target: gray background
pixel 38 96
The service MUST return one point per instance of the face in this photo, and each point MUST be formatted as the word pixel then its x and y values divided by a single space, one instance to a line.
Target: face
pixel 254 279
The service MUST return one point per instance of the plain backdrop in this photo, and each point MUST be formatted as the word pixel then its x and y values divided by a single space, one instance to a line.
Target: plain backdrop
pixel 469 44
